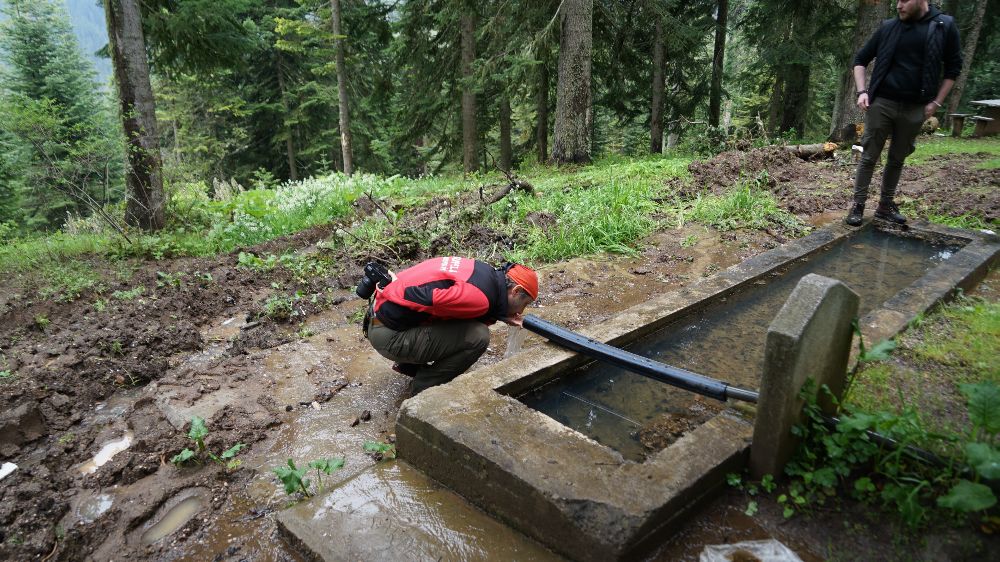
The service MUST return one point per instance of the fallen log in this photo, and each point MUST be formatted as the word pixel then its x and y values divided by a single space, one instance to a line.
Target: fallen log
pixel 812 151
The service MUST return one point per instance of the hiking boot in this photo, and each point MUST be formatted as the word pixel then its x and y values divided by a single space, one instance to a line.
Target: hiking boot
pixel 854 217
pixel 408 369
pixel 888 211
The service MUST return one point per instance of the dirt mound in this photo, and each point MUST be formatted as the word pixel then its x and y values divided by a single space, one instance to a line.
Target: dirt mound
pixel 951 185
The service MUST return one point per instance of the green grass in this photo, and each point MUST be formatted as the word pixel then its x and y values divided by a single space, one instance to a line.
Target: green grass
pixel 605 207
pixel 42 251
pixel 938 146
pixel 991 164
pixel 746 206
pixel 969 339
pixel 958 343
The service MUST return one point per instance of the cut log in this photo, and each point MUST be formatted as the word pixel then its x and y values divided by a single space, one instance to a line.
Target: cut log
pixel 812 151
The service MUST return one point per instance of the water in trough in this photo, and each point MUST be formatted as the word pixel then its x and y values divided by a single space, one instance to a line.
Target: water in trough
pixel 723 340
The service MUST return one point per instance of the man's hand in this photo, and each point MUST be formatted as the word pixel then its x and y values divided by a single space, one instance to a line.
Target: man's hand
pixel 863 101
pixel 929 110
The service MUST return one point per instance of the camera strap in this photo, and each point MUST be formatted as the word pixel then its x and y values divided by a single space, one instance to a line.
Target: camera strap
pixel 369 314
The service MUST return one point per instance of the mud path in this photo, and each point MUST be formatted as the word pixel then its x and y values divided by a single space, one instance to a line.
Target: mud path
pixel 167 340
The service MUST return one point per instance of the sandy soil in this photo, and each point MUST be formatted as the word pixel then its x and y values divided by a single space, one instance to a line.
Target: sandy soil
pixel 196 343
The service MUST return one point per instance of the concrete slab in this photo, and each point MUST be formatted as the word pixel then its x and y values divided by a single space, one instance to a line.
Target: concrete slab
pixel 392 511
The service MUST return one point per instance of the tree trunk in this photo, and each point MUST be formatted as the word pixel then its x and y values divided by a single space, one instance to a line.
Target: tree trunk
pixel 796 98
pixel 573 110
pixel 715 100
pixel 775 109
pixel 345 116
pixel 469 128
pixel 969 50
pixel 656 103
pixel 845 109
pixel 144 179
pixel 506 153
pixel 542 110
pixel 293 171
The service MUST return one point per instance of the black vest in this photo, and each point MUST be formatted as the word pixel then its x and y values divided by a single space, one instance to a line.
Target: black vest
pixel 930 78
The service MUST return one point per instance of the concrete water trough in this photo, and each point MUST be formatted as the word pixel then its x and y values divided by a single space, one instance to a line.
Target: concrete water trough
pixel 589 496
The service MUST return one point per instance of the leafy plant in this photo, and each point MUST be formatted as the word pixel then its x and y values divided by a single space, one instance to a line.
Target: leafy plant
pixel 170 279
pixel 294 479
pixel 198 433
pixel 130 294
pixel 280 308
pixel 980 451
pixel 42 322
pixel 252 262
pixel 380 451
pixel 7 375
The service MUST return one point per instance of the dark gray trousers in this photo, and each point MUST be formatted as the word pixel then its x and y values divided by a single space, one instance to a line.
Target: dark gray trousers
pixel 885 118
pixel 450 347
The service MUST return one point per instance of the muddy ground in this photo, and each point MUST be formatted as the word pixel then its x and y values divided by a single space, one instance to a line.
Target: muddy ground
pixel 195 340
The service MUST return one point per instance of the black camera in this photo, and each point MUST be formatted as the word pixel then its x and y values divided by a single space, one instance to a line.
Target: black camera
pixel 376 274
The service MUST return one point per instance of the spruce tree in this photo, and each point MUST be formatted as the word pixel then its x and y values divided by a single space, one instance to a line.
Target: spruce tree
pixel 59 139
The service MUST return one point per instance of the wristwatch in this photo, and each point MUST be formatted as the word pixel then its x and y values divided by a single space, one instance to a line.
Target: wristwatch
pixel 862 92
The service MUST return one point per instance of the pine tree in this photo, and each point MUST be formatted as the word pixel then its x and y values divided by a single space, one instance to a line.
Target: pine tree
pixel 59 147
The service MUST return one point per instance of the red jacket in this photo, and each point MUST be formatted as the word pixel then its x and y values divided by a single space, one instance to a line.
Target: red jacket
pixel 448 288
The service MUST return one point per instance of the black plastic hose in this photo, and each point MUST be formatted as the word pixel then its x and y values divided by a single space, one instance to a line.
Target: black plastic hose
pixel 638 364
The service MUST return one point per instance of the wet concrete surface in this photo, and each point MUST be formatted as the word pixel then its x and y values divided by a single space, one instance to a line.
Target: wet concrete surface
pixel 393 511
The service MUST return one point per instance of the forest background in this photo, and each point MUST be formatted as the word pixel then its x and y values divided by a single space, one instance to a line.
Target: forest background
pixel 253 93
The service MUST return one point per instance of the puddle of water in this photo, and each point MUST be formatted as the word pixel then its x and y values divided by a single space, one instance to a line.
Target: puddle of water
pixel 107 452
pixel 173 519
pixel 115 406
pixel 725 340
pixel 7 469
pixel 93 507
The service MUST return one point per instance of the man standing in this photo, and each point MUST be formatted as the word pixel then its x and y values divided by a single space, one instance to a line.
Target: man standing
pixel 432 318
pixel 906 88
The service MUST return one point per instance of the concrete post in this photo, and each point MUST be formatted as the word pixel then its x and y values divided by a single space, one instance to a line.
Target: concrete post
pixel 810 338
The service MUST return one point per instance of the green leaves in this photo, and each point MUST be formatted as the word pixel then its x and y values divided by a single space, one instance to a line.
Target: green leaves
pixel 183 456
pixel 380 451
pixel 327 466
pixel 984 458
pixel 197 433
pixel 984 405
pixel 878 352
pixel 294 479
pixel 968 496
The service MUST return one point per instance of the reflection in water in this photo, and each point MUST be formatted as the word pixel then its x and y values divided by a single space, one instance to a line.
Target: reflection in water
pixel 725 340
pixel 93 507
pixel 107 452
pixel 393 511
